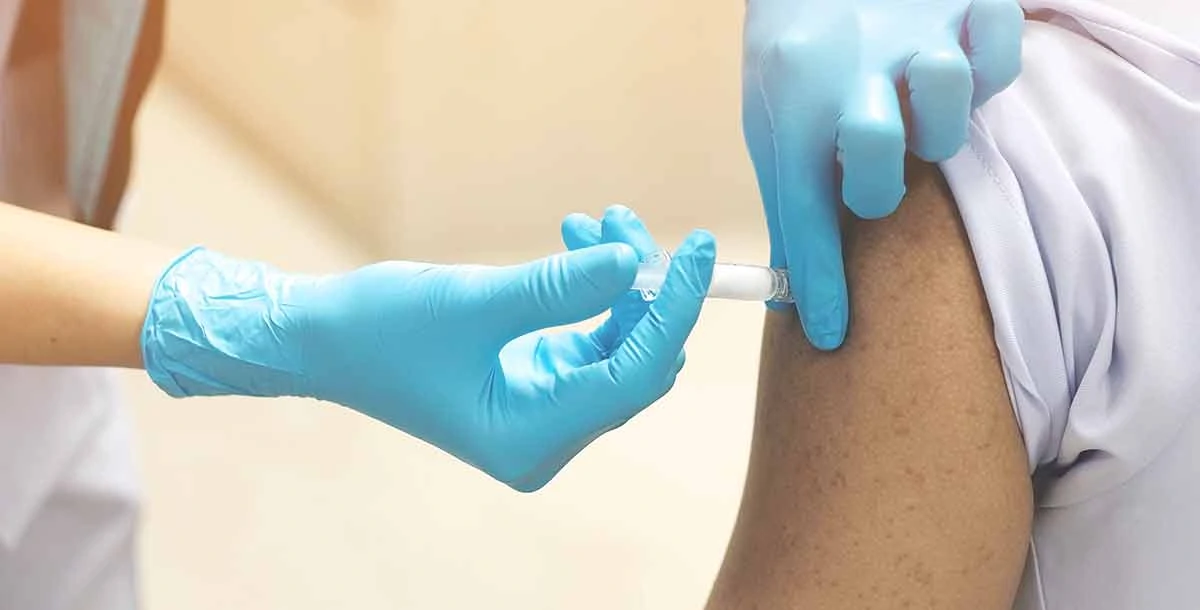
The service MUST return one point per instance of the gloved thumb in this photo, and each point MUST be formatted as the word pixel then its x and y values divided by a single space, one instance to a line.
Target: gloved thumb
pixel 565 288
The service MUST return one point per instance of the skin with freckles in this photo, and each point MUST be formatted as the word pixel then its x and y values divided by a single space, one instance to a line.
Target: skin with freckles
pixel 889 474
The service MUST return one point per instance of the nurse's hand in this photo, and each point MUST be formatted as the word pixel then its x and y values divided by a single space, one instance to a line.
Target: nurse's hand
pixel 458 356
pixel 822 85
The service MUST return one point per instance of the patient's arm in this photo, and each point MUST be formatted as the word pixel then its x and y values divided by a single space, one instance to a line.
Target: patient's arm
pixel 889 474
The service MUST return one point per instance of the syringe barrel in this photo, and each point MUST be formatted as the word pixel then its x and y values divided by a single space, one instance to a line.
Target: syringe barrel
pixel 729 281
pixel 748 283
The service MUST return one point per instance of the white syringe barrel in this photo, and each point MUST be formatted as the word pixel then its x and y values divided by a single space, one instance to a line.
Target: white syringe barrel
pixel 736 282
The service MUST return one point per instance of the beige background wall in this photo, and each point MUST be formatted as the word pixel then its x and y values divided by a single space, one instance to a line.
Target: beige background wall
pixel 302 80
pixel 412 121
pixel 513 113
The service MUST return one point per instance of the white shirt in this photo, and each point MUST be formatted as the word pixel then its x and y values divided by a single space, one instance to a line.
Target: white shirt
pixel 1080 192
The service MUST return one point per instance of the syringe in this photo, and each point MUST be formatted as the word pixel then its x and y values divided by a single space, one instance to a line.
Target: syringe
pixel 729 281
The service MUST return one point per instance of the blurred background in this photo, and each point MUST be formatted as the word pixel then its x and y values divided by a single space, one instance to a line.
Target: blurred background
pixel 321 134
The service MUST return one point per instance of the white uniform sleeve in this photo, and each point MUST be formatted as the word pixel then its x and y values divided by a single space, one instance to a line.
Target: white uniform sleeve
pixel 100 38
pixel 1080 192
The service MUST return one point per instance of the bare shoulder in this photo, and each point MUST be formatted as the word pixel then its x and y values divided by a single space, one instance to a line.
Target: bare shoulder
pixel 888 474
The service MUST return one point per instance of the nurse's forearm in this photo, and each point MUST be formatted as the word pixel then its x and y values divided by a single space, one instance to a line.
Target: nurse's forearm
pixel 71 294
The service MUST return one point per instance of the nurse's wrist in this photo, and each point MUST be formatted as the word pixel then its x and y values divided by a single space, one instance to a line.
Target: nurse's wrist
pixel 216 326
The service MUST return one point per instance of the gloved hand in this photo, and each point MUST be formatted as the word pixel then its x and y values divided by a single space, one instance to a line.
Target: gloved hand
pixel 826 75
pixel 444 353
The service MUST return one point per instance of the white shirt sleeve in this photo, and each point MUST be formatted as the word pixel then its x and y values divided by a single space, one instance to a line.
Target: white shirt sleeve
pixel 1080 191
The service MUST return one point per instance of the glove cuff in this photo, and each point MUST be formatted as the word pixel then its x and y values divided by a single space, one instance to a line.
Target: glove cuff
pixel 219 326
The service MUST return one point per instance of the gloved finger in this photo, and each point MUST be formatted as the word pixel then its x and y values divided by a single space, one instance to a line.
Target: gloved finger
pixel 804 123
pixel 645 364
pixel 940 89
pixel 583 231
pixel 756 129
pixel 621 225
pixel 993 34
pixel 651 353
pixel 588 432
pixel 560 289
pixel 871 149
pixel 580 231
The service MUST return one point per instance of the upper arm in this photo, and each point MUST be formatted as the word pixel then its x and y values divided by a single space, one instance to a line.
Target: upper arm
pixel 888 474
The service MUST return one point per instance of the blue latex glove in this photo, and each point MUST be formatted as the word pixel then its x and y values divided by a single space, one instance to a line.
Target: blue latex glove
pixel 821 76
pixel 618 226
pixel 454 355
